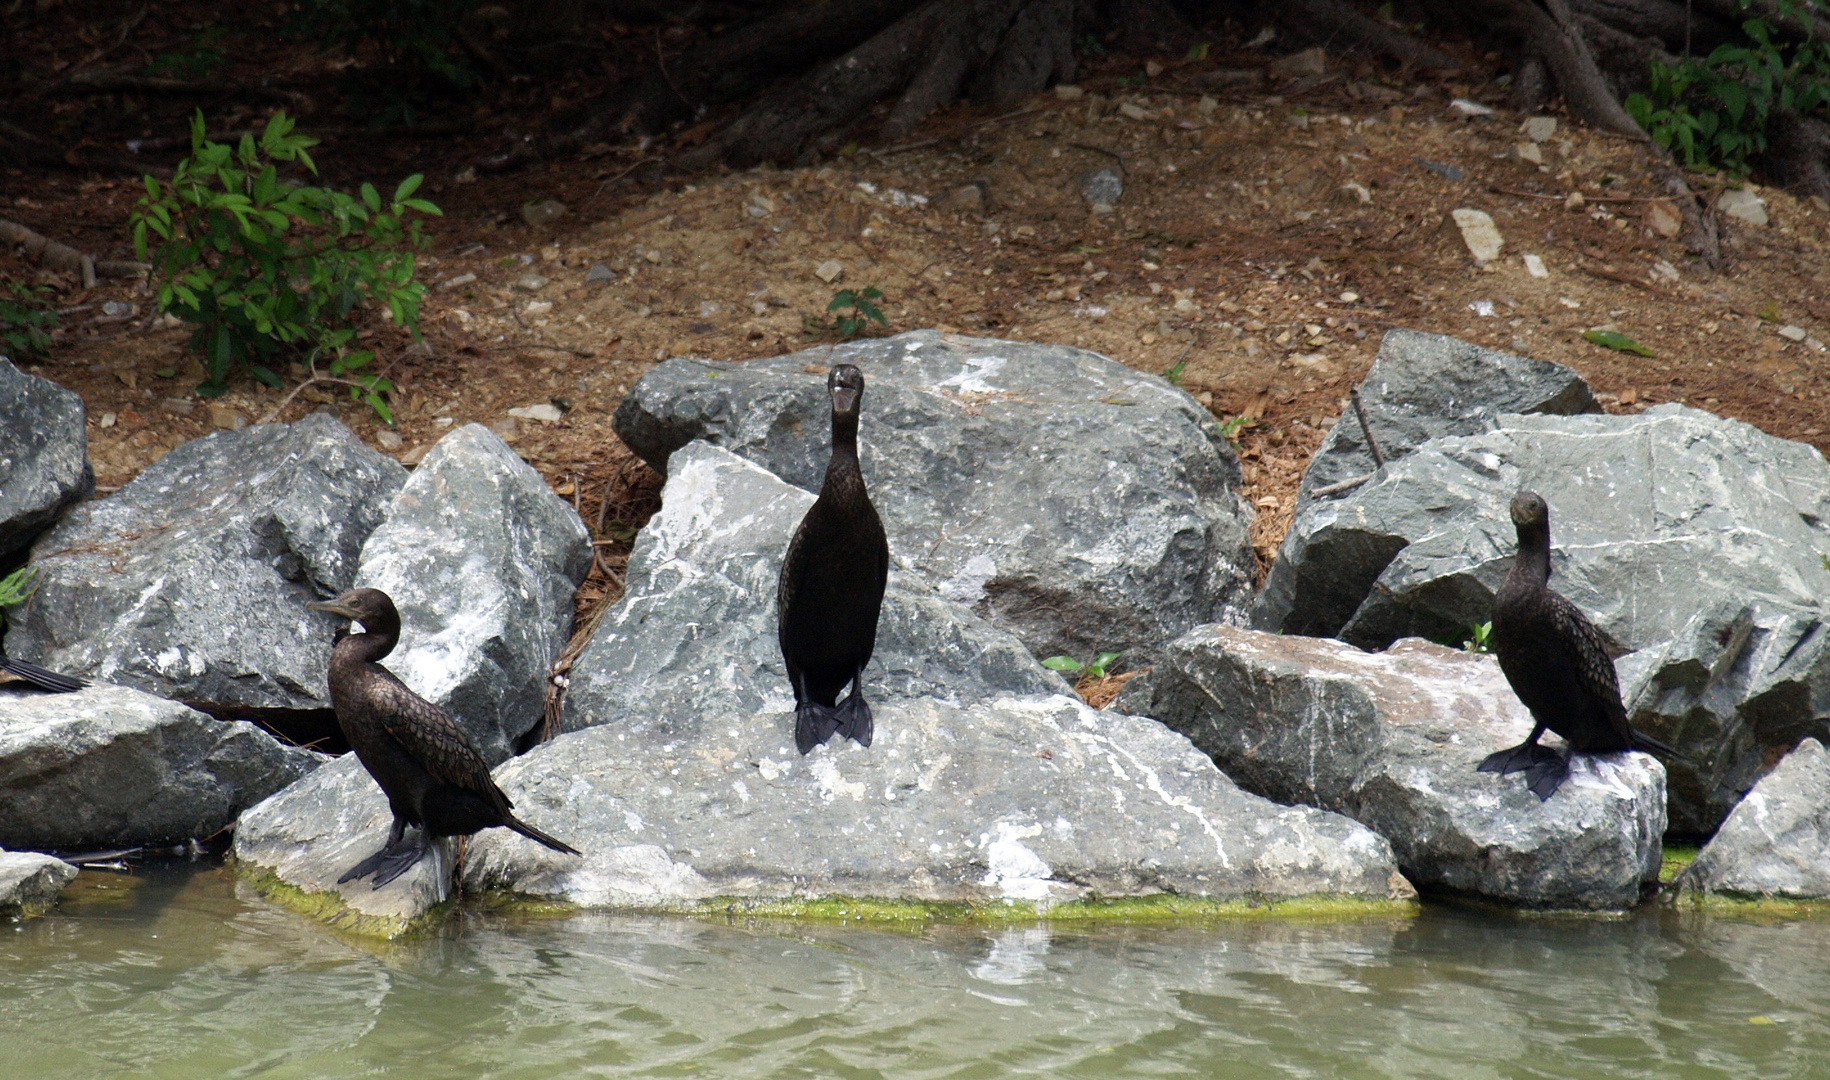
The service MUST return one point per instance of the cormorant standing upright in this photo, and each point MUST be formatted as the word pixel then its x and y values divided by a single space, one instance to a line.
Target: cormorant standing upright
pixel 432 775
pixel 1557 664
pixel 831 587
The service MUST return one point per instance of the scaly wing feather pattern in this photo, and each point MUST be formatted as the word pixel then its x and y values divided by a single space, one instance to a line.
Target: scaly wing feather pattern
pixel 1589 657
pixel 433 738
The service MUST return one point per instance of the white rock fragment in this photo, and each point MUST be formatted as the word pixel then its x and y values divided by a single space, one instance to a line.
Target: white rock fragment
pixel 829 271
pixel 1534 266
pixel 1539 128
pixel 1743 205
pixel 1479 233
pixel 543 412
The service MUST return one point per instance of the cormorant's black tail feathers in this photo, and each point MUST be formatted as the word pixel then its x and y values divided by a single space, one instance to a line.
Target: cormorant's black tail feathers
pixel 1643 741
pixel 43 679
pixel 1546 774
pixel 854 715
pixel 813 724
pixel 532 833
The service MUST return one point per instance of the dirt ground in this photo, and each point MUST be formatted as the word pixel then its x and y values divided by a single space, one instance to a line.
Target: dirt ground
pixel 1269 232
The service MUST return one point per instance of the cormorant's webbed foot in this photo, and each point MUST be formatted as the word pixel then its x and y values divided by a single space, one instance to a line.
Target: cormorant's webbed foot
pixel 1521 758
pixel 405 858
pixel 813 724
pixel 854 715
pixel 369 865
pixel 1544 777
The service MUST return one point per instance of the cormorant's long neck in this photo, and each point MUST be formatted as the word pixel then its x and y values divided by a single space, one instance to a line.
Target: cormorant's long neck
pixel 844 465
pixel 1532 564
pixel 370 647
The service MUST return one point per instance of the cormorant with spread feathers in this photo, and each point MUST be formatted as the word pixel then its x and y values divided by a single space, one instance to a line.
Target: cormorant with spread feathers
pixel 831 587
pixel 431 773
pixel 1557 664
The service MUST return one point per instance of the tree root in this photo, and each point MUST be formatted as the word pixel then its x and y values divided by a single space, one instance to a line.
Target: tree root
pixel 66 259
pixel 1335 22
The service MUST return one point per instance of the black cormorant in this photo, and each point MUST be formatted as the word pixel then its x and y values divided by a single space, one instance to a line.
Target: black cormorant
pixel 831 587
pixel 432 775
pixel 1557 664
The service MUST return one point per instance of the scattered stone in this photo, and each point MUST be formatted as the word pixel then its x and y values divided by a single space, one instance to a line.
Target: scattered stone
pixel 1102 187
pixel 177 406
pixel 389 439
pixel 482 559
pixel 221 416
pixel 1529 152
pixel 1135 112
pixel 1539 128
pixel 1662 217
pixel 1792 333
pixel 1743 205
pixel 1725 668
pixel 1534 265
pixel 829 271
pixel 1392 740
pixel 1465 107
pixel 116 309
pixel 1068 92
pixel 543 212
pixel 1574 201
pixel 1036 800
pixel 538 307
pixel 599 274
pixel 693 640
pixel 44 455
pixel 310 834
pixel 30 882
pixel 1142 535
pixel 544 412
pixel 1479 233
pixel 457 282
pixel 1776 841
pixel 1299 64
pixel 1357 193
pixel 1447 172
pixel 530 282
pixel 967 199
pixel 107 766
pixel 191 581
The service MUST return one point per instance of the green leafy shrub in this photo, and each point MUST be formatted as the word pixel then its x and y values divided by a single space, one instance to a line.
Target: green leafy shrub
pixel 1714 113
pixel 24 324
pixel 859 306
pixel 1095 668
pixel 262 266
pixel 15 588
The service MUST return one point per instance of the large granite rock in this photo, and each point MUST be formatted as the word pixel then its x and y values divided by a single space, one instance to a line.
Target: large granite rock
pixel 109 766
pixel 1776 842
pixel 44 455
pixel 1037 799
pixel 1420 387
pixel 191 581
pixel 30 882
pixel 1691 540
pixel 1393 740
pixel 1069 499
pixel 693 641
pixel 482 560
pixel 307 836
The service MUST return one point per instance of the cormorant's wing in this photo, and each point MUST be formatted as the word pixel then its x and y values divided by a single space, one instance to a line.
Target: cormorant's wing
pixel 25 671
pixel 433 738
pixel 1588 655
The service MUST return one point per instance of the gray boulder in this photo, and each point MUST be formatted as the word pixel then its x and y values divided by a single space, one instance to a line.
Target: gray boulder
pixel 296 845
pixel 109 766
pixel 1420 387
pixel 1392 740
pixel 1075 502
pixel 1692 541
pixel 482 559
pixel 1036 799
pixel 190 582
pixel 1776 842
pixel 30 882
pixel 693 641
pixel 44 455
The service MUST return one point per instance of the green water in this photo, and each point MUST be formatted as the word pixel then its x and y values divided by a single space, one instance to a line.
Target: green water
pixel 178 972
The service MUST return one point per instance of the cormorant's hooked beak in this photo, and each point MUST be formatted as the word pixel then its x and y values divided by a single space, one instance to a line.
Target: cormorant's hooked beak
pixel 339 606
pixel 845 399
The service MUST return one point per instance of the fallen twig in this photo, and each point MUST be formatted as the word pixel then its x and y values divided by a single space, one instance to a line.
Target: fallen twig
pixel 1366 429
pixel 66 259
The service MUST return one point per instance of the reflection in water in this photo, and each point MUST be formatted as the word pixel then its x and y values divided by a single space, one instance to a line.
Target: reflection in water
pixel 177 974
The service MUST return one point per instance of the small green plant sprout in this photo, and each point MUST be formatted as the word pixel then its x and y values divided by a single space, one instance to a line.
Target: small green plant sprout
pixel 1479 638
pixel 1233 425
pixel 15 588
pixel 862 307
pixel 264 267
pixel 1093 669
pixel 24 323
pixel 1174 372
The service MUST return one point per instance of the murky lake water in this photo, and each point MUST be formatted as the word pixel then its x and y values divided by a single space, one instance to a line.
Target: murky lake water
pixel 179 973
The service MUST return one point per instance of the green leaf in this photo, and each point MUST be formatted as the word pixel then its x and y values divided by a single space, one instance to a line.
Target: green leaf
pixel 166 372
pixel 370 197
pixel 408 187
pixel 1174 374
pixel 1100 663
pixel 265 375
pixel 1062 663
pixel 1611 339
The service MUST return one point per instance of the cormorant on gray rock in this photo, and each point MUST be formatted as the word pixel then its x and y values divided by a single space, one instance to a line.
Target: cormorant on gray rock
pixel 432 775
pixel 1557 664
pixel 831 587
